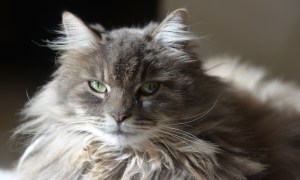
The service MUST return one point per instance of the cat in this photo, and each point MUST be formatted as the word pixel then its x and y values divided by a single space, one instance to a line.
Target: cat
pixel 138 103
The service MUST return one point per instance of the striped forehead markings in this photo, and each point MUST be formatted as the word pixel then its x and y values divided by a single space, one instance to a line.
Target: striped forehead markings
pixel 127 68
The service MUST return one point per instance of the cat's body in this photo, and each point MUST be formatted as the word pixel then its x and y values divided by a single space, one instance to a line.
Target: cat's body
pixel 157 112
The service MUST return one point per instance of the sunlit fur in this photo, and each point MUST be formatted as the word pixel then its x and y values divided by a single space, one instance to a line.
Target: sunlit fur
pixel 218 120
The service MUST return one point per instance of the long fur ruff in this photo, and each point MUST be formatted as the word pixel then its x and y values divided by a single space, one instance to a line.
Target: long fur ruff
pixel 158 158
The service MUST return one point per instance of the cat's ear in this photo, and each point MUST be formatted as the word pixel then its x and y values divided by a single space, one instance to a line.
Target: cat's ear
pixel 76 35
pixel 173 30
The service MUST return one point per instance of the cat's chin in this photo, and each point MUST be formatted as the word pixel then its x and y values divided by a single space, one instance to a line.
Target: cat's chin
pixel 122 138
pixel 120 132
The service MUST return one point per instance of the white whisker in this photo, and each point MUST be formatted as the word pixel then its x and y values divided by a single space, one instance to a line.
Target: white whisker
pixel 198 117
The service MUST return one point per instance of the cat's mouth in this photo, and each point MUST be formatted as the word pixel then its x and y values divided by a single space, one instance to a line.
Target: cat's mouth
pixel 120 132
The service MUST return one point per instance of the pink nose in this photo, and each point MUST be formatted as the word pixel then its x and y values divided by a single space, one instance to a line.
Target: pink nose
pixel 120 117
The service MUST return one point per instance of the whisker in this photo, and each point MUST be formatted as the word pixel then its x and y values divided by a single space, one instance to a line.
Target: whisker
pixel 204 113
pixel 189 143
pixel 172 134
pixel 27 95
pixel 183 132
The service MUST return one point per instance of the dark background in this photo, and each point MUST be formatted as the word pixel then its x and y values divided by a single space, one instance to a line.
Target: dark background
pixel 26 63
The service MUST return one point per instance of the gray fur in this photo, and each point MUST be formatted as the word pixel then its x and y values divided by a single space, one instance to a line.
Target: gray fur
pixel 195 126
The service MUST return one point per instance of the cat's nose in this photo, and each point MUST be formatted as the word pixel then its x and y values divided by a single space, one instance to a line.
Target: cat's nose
pixel 120 117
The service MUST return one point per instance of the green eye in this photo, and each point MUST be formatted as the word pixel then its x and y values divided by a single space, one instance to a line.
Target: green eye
pixel 149 88
pixel 97 86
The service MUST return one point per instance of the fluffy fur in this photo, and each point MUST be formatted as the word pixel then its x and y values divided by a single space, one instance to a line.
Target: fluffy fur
pixel 209 120
pixel 7 174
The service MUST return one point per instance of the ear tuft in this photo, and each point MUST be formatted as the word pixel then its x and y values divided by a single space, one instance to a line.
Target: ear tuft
pixel 173 31
pixel 75 34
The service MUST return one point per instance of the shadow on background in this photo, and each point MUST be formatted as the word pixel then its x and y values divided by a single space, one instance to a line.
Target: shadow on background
pixel 26 65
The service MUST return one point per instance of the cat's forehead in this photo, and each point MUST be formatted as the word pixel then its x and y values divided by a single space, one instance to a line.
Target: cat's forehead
pixel 124 54
pixel 127 34
pixel 125 42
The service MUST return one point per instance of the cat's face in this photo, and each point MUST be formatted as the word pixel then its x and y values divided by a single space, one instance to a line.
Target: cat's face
pixel 128 85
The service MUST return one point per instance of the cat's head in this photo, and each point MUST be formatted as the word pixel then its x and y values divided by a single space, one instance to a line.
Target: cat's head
pixel 130 85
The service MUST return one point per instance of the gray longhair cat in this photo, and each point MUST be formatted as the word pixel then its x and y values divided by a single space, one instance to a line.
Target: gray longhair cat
pixel 137 103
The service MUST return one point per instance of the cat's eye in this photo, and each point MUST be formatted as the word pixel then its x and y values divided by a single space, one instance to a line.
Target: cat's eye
pixel 97 86
pixel 149 88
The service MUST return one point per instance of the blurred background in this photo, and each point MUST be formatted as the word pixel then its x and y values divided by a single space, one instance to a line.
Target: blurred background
pixel 262 32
